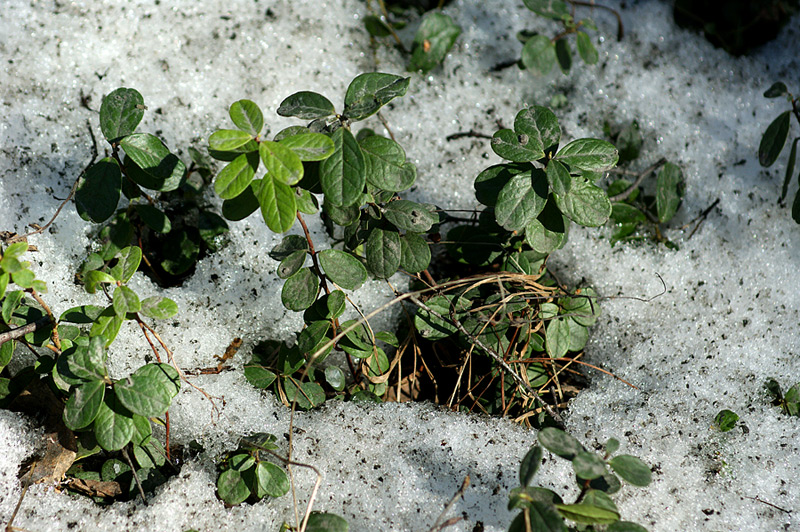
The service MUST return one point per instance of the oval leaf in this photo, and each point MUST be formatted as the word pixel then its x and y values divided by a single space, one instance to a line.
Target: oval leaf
pixel 592 155
pixel 773 140
pixel 415 253
pixel 308 105
pixel 247 116
pixel 281 162
pixel 383 252
pixel 585 204
pixel 435 36
pixel 521 200
pixel 84 404
pixel 539 55
pixel 541 127
pixel 560 443
pixel 342 175
pixel 367 93
pixel 99 193
pixel 309 146
pixel 150 154
pixel 159 308
pixel 278 206
pixel 300 290
pixel 120 113
pixel 236 176
pixel 343 269
pixel 631 469
pixel 143 395
pixel 113 426
pixel 228 139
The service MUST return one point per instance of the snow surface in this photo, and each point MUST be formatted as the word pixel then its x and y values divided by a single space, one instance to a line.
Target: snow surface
pixel 727 322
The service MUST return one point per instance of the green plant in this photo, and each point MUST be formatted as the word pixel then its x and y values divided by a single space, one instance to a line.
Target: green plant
pixel 725 420
pixel 596 476
pixel 245 474
pixel 774 139
pixel 789 402
pixel 540 52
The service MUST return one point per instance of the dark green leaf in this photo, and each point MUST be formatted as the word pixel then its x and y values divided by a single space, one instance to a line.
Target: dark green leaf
pixel 578 335
pixel 98 193
pixel 367 93
pixel 84 404
pixel 309 146
pixel 529 465
pixel 325 522
pixel 288 245
pixel 522 496
pixel 773 140
pixel 410 216
pixel 725 420
pixel 343 269
pixel 548 231
pixel 291 264
pixel 625 526
pixel 385 164
pixel 588 513
pixel 491 181
pixel 228 139
pixel 376 27
pixel 585 204
pixel 84 363
pixel 557 337
pixel 232 488
pixel 383 252
pixel 588 465
pixel 777 90
pixel 312 336
pixel 415 253
pixel 629 142
pixel 120 113
pixel 521 200
pixel 306 202
pixel 113 426
pixel 281 162
pixel 623 213
pixel 129 260
pixel 308 105
pixel 543 517
pixel 243 205
pixel 181 253
pixel 155 159
pixel 247 116
pixel 258 375
pixel 6 350
pixel 669 191
pixel 125 300
pixel 591 155
pixel 273 480
pixel 165 375
pixel 435 36
pixel 516 147
pixel 309 395
pixel 153 217
pixel 82 314
pixel 113 469
pixel 553 9
pixel 564 55
pixel 431 327
pixel 586 49
pixel 342 175
pixel 796 208
pixel 300 290
pixel 278 206
pixel 539 55
pixel 235 178
pixel 559 179
pixel 631 469
pixel 786 179
pixel 159 308
pixel 560 443
pixel 143 395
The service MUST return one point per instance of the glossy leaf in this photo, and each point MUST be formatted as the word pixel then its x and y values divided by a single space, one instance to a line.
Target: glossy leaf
pixel 368 92
pixel 543 517
pixel 120 113
pixel 113 425
pixel 559 179
pixel 81 314
pixel 343 269
pixel 725 420
pixel 585 204
pixel 247 116
pixel 153 218
pixel 776 90
pixel 376 27
pixel 539 55
pixel 308 105
pixel 143 395
pixel 435 36
pixel 383 252
pixel 385 164
pixel 99 192
pixel 165 375
pixel 588 513
pixel 232 488
pixel 128 262
pixel 228 139
pixel 300 290
pixel 159 308
pixel 150 154
pixel 278 206
pixel 309 146
pixel 491 181
pixel 669 191
pixel 540 126
pixel 243 205
pixel 125 300
pixel 529 465
pixel 335 378
pixel 410 216
pixel 592 155
pixel 258 375
pixel 342 175
pixel 287 246
pixel 236 176
pixel 560 443
pixel 515 147
pixel 548 231
pixel 291 264
pixel 521 200
pixel 431 327
pixel 84 404
pixel 586 49
pixel 415 253
pixel 774 139
pixel 281 162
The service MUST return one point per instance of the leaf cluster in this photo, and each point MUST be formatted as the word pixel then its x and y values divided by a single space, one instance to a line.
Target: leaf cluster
pixel 597 477
pixel 246 475
pixel 774 139
pixel 788 402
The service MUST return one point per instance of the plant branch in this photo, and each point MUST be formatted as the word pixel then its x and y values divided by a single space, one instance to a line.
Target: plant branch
pixel 647 171
pixel 20 332
pixel 620 28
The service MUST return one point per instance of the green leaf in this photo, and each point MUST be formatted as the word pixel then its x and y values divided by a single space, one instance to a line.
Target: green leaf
pixel 291 264
pixel 309 146
pixel 306 202
pixel 159 308
pixel 516 147
pixel 343 216
pixel 777 90
pixel 15 250
pixel 385 164
pixel 153 217
pixel 553 9
pixel 559 179
pixel 232 488
pixel 491 181
pixel 312 336
pixel 228 139
pixel 84 363
pixel 629 142
pixel 523 496
pixel 521 200
pixel 578 335
pixel 383 252
pixel 410 216
pixel 592 155
pixel 281 162
pixel 81 314
pixel 99 192
pixel 588 513
pixel 309 395
pixel 23 278
pixel 335 377
pixel 342 175
pixel 120 113
pixel 129 260
pixel 786 179
pixel 586 49
pixel 258 375
pixel 588 465
pixel 529 465
pixel 431 327
pixel 415 253
pixel 585 204
pixel 113 425
pixel 367 93
pixel 773 140
pixel 376 27
pixel 625 526
pixel 143 395
pixel 274 481
pixel 165 374
pixel 243 205
pixel 326 522
pixel 247 116
pixel 278 207
pixel 725 420
pixel 300 290
pixel 796 208
pixel 548 231
pixel 543 517
pixel 287 246
pixel 236 176
pixel 564 55
pixel 557 338
pixel 435 36
pixel 623 213
pixel 669 190
pixel 633 470
pixel 343 269
pixel 560 443
pixel 125 300
pixel 94 278
pixel 6 350
pixel 106 326
pixel 308 105
pixel 181 253
pixel 155 159
pixel 84 404
pixel 539 55
pixel 113 469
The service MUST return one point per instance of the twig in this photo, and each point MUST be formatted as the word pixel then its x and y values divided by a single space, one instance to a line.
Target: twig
pixel 386 125
pixel 10 525
pixel 650 169
pixel 471 133
pixel 440 523
pixel 620 28
pixel 127 458
pixel 19 332
pixel 768 504
pixel 701 217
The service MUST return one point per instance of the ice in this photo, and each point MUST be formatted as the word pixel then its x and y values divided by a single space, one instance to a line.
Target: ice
pixel 727 321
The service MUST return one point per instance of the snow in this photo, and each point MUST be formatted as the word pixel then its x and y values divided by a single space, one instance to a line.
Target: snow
pixel 727 322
